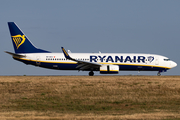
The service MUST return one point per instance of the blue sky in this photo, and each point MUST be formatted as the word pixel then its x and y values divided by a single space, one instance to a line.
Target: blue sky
pixel 114 26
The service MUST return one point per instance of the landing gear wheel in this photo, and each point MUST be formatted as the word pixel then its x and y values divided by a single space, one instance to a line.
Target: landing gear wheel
pixel 158 74
pixel 91 73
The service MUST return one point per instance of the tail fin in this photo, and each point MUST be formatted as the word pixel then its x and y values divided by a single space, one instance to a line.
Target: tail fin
pixel 20 41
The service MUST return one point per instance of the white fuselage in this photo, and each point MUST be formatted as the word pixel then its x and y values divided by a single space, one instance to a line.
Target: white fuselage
pixel 132 61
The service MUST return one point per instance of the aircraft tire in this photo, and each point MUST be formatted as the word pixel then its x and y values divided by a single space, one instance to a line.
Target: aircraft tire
pixel 91 73
pixel 158 74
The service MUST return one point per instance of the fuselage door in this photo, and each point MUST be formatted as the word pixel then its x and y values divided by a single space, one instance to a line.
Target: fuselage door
pixel 157 61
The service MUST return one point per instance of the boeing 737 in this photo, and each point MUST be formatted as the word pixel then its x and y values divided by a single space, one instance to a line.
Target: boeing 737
pixel 106 63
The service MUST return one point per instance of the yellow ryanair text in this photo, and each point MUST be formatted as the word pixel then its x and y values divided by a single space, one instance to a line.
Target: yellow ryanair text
pixel 18 40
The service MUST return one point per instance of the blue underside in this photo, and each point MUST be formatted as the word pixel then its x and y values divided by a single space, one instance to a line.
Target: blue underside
pixel 65 66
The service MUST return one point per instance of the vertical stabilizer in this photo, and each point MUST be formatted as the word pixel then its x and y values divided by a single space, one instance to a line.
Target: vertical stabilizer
pixel 20 42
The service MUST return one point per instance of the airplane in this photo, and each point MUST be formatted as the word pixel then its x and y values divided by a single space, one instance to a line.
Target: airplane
pixel 106 63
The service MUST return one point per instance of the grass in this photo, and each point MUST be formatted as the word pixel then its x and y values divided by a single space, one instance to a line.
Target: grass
pixel 81 97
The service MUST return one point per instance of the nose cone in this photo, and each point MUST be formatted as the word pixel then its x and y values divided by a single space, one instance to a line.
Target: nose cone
pixel 173 64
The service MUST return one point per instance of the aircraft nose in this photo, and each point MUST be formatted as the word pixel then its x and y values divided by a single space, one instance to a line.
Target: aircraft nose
pixel 173 64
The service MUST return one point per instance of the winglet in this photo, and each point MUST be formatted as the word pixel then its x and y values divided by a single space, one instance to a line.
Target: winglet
pixel 65 53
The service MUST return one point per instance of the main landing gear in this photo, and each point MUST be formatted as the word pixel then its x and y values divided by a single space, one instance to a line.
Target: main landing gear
pixel 91 73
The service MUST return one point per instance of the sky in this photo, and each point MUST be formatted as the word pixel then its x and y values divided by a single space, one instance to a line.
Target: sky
pixel 109 26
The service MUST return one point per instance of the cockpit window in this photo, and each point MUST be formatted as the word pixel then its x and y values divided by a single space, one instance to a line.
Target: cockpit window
pixel 166 59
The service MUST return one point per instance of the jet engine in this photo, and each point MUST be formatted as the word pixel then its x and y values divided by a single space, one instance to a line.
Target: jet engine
pixel 109 69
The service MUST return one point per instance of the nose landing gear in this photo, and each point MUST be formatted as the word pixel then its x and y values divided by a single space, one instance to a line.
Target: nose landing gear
pixel 159 73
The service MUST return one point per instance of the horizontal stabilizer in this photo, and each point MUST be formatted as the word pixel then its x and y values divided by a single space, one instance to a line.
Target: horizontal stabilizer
pixel 15 55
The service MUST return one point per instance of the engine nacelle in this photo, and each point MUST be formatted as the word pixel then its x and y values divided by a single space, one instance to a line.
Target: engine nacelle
pixel 109 69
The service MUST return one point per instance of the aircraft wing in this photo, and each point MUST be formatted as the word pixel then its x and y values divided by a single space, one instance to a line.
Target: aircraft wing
pixel 82 65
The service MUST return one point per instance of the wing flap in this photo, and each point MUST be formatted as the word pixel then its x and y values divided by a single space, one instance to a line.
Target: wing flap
pixel 85 67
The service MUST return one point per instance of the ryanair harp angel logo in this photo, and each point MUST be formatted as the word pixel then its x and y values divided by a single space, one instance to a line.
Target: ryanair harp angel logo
pixel 150 58
pixel 18 40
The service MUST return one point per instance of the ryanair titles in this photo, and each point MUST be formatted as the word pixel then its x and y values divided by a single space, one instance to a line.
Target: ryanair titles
pixel 134 59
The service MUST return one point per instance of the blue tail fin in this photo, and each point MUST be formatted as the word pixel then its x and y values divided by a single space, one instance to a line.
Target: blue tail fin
pixel 20 41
